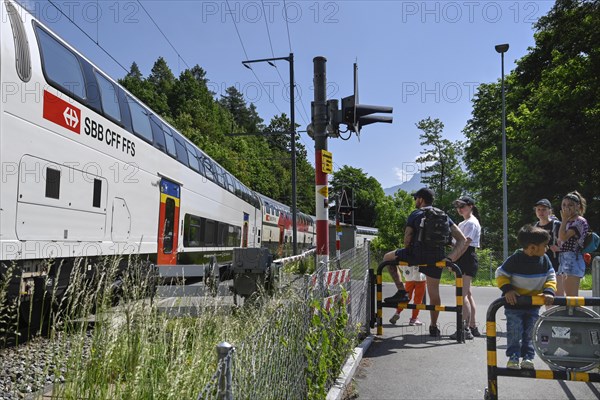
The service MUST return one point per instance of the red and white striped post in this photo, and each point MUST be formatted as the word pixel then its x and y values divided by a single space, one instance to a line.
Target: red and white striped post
pixel 319 124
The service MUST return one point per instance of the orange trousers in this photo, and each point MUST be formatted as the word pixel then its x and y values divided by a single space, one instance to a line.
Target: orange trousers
pixel 416 292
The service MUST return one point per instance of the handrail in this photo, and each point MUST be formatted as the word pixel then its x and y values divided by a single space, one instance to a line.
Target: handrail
pixel 459 296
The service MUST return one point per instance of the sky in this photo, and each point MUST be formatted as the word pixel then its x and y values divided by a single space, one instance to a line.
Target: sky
pixel 423 58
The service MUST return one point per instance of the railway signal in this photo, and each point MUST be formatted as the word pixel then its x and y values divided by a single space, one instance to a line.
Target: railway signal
pixel 353 114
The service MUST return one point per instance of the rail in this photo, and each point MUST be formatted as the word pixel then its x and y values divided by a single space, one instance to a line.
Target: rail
pixel 459 297
pixel 491 392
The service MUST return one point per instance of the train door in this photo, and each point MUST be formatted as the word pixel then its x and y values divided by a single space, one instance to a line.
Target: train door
pixel 168 222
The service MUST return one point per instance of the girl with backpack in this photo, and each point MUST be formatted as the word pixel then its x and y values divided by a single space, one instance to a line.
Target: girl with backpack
pixel 571 234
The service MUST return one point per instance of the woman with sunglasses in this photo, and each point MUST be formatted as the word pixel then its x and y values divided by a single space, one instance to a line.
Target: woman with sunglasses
pixel 573 229
pixel 468 262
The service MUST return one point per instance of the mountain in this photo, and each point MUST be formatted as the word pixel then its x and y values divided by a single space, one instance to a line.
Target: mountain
pixel 412 185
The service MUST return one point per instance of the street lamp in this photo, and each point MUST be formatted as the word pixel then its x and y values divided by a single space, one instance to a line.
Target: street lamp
pixel 289 59
pixel 502 48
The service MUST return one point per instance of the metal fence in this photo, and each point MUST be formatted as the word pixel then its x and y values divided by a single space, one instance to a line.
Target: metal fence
pixel 276 362
pixel 596 280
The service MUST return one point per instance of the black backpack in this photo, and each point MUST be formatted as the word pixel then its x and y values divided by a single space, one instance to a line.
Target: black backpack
pixel 434 230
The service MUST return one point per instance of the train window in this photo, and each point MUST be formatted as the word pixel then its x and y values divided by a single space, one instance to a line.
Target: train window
pixel 228 182
pixel 209 232
pixel 158 134
pixel 219 175
pixel 97 193
pixel 182 154
pixel 61 66
pixel 192 157
pixel 108 95
pixel 193 231
pixel 222 234
pixel 233 238
pixel 141 121
pixel 52 183
pixel 169 140
pixel 208 168
pixel 168 227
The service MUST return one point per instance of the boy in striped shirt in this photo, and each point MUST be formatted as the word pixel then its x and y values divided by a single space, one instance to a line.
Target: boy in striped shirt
pixel 528 272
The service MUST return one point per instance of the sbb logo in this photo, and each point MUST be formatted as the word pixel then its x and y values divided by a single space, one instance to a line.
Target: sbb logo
pixel 71 118
pixel 61 113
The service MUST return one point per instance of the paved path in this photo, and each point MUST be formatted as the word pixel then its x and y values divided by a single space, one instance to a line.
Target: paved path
pixel 406 363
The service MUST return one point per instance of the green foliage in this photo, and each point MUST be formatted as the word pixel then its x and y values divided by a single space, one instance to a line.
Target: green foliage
pixel 263 163
pixel 366 193
pixel 442 172
pixel 553 117
pixel 328 344
pixel 392 213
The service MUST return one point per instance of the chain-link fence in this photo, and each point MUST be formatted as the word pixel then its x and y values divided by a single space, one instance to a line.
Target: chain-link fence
pixel 315 324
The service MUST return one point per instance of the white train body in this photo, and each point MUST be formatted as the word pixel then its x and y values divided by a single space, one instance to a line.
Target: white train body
pixel 83 174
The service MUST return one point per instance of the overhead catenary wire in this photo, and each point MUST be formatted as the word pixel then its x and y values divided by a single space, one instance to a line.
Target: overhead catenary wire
pixel 277 67
pixel 162 33
pixel 88 36
pixel 287 25
pixel 246 55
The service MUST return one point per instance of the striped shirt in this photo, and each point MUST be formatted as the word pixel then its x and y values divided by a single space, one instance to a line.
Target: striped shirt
pixel 528 275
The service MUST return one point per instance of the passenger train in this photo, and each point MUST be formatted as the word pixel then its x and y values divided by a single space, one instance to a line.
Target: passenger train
pixel 88 170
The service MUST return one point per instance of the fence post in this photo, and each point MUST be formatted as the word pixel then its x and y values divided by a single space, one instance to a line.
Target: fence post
pixel 224 350
pixel 596 280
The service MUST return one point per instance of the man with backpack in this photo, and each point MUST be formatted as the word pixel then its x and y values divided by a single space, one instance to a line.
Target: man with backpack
pixel 426 234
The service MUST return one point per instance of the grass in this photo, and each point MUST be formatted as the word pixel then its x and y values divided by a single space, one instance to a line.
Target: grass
pixel 135 351
pixel 448 279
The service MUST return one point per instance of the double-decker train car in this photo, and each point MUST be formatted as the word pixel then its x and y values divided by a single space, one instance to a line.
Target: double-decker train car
pixel 88 170
pixel 277 227
pixel 365 234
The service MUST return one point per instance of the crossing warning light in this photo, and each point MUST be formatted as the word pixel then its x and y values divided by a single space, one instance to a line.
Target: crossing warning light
pixel 356 115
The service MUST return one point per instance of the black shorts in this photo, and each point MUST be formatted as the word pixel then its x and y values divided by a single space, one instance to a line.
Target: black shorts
pixel 468 262
pixel 417 257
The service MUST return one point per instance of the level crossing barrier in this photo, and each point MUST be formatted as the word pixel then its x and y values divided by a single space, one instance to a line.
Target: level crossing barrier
pixel 567 373
pixel 459 297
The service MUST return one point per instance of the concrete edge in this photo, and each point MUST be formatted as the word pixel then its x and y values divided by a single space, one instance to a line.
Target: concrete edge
pixel 336 392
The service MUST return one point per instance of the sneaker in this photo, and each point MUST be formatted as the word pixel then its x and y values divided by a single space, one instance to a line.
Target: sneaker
pixel 394 319
pixel 434 331
pixel 468 335
pixel 527 364
pixel 415 321
pixel 475 331
pixel 399 297
pixel 513 362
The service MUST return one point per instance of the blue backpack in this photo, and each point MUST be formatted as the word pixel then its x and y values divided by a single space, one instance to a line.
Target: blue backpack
pixel 591 242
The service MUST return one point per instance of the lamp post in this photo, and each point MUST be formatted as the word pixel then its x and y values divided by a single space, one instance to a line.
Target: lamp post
pixel 502 48
pixel 290 60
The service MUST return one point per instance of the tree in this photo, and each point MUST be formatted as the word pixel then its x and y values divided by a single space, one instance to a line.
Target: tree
pixel 367 193
pixel 553 111
pixel 262 163
pixel 392 214
pixel 234 102
pixel 162 80
pixel 442 172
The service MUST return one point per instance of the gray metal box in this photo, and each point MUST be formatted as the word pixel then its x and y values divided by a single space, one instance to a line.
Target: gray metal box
pixel 568 338
pixel 251 260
